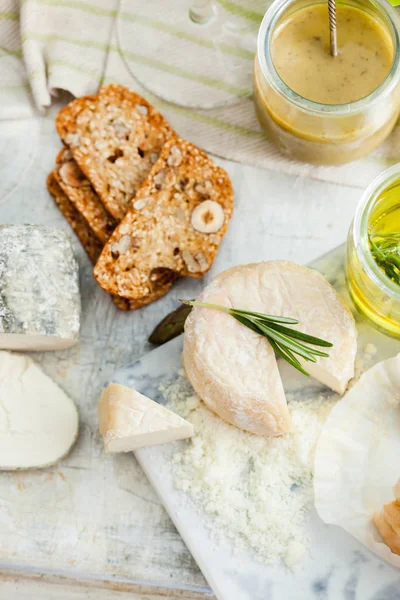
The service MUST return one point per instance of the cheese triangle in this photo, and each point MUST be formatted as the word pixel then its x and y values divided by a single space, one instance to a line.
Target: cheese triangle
pixel 234 370
pixel 128 420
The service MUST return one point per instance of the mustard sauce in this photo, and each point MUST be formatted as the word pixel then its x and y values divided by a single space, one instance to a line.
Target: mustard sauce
pixel 300 52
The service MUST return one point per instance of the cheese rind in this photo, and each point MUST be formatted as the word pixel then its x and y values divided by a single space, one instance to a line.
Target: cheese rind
pixel 38 421
pixel 39 289
pixel 128 420
pixel 234 370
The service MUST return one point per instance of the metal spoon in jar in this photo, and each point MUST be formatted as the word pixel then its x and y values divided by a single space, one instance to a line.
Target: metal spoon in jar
pixel 332 26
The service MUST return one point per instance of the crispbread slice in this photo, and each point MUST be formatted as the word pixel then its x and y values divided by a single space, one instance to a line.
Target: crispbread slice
pixel 90 243
pixel 161 237
pixel 79 191
pixel 115 138
pixel 129 304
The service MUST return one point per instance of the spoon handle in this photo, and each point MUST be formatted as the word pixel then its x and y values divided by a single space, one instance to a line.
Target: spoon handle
pixel 332 26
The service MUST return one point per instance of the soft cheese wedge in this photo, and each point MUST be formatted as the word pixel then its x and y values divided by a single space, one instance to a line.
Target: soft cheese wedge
pixel 234 370
pixel 128 420
pixel 38 421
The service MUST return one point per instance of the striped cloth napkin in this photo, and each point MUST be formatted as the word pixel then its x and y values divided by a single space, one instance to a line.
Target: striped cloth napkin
pixel 76 45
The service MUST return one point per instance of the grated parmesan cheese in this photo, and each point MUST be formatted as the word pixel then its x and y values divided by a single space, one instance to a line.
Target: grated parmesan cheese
pixel 257 491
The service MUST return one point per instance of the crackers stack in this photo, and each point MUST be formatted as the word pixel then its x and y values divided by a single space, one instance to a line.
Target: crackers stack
pixel 147 206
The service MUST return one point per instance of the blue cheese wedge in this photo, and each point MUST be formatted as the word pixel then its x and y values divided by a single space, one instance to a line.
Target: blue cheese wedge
pixel 128 420
pixel 39 289
pixel 38 421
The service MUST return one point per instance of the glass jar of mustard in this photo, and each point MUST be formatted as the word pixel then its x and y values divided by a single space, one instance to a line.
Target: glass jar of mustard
pixel 374 293
pixel 363 84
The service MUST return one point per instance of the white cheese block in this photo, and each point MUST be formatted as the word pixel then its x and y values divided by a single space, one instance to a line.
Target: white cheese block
pixel 129 420
pixel 39 289
pixel 234 370
pixel 38 421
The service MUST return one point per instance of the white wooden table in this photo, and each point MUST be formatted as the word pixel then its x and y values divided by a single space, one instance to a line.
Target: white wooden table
pixel 277 216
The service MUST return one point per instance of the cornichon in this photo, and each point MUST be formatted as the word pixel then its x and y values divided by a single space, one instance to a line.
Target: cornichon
pixel 171 326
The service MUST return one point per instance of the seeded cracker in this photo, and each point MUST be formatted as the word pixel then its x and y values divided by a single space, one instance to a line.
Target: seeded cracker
pixel 79 191
pixel 174 228
pixel 91 245
pixel 115 138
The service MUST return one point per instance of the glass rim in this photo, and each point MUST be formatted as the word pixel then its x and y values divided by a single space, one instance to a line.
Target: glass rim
pixel 268 69
pixel 360 231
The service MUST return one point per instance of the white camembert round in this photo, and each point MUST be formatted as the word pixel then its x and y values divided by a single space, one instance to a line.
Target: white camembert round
pixel 234 370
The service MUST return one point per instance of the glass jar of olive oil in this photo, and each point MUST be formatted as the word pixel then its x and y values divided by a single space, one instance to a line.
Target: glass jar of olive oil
pixel 373 253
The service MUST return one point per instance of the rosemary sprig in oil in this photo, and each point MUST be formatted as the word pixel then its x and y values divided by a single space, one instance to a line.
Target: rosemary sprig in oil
pixel 288 343
pixel 385 248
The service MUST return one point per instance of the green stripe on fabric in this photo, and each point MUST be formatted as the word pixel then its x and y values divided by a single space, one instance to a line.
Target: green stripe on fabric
pixel 63 63
pixel 183 35
pixel 9 16
pixel 201 117
pixel 84 6
pixel 15 88
pixel 73 67
pixel 6 52
pixel 37 73
pixel 49 37
pixel 209 81
pixel 241 11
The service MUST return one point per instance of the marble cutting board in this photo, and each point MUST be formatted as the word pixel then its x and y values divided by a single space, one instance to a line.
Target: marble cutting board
pixel 338 567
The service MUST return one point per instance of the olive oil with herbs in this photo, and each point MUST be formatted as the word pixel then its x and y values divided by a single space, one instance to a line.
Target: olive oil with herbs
pixel 373 254
pixel 384 232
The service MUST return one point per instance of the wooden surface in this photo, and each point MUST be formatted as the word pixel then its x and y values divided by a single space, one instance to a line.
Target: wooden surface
pixel 68 521
pixel 14 585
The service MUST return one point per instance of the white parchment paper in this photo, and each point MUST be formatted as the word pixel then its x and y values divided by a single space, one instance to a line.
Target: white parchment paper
pixel 357 460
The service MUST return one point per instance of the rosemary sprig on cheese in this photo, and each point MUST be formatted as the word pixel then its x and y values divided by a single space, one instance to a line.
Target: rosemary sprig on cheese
pixel 385 248
pixel 286 342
